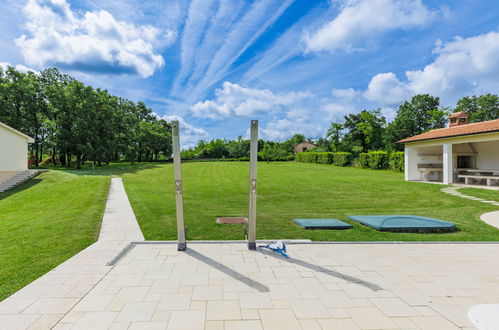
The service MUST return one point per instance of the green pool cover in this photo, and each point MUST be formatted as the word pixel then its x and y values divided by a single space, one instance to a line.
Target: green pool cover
pixel 322 224
pixel 403 223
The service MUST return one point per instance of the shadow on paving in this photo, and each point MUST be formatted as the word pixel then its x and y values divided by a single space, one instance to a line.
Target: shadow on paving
pixel 228 271
pixel 324 270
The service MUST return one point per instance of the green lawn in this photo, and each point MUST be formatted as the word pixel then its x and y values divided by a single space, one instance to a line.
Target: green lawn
pixel 294 190
pixel 45 222
pixel 490 195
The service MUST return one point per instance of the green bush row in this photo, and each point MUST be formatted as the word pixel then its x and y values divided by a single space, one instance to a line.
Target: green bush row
pixel 376 160
pixel 336 158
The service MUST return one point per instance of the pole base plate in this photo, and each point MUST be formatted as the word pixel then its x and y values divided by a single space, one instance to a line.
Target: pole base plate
pixel 252 246
pixel 181 246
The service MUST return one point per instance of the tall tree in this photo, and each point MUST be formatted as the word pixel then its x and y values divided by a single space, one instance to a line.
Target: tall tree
pixel 422 113
pixel 365 130
pixel 480 108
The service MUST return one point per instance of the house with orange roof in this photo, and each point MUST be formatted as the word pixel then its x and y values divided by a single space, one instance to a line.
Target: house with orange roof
pixel 461 153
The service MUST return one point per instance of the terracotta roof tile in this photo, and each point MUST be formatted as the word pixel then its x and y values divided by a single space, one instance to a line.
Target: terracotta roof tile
pixel 468 129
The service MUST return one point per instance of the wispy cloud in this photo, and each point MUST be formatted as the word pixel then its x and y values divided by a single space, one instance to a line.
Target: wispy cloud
pixel 238 38
pixel 192 36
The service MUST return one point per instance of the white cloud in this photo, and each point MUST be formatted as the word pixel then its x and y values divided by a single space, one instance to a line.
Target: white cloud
pixel 282 129
pixel 235 100
pixel 189 134
pixel 360 22
pixel 18 67
pixel 385 88
pixel 463 66
pixel 93 42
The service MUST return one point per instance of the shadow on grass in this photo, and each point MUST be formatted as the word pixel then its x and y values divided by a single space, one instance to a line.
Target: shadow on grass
pixel 320 269
pixel 23 186
pixel 106 170
pixel 226 270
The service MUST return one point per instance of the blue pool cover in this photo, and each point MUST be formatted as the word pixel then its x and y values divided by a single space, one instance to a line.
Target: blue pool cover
pixel 322 224
pixel 403 223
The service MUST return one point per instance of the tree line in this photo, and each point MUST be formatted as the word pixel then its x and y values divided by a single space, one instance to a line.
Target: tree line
pixel 72 122
pixel 368 130
pixel 360 132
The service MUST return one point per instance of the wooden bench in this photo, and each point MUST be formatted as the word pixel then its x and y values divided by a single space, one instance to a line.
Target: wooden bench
pixel 489 178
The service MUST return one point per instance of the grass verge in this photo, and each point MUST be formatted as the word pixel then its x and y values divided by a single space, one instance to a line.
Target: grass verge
pixel 45 222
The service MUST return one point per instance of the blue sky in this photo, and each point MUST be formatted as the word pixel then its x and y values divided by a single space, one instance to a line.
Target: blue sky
pixel 294 65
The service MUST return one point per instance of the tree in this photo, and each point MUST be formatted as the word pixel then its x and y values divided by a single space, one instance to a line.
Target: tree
pixel 365 130
pixel 479 108
pixel 334 135
pixel 414 117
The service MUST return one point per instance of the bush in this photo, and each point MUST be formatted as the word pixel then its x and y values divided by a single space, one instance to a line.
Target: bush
pixel 342 158
pixel 376 160
pixel 364 160
pixel 315 157
pixel 397 162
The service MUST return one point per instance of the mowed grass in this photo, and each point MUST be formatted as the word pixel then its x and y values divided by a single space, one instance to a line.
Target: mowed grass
pixel 490 195
pixel 45 222
pixel 295 190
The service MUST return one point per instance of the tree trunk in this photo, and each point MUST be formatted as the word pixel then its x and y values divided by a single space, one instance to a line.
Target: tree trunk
pixel 78 161
pixel 36 153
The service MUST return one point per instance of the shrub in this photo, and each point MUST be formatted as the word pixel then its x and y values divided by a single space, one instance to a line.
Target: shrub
pixel 342 158
pixel 378 160
pixel 364 160
pixel 397 162
pixel 315 157
pixel 325 157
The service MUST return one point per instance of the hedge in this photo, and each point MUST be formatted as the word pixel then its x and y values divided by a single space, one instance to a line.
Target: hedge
pixel 397 162
pixel 375 160
pixel 342 158
pixel 336 158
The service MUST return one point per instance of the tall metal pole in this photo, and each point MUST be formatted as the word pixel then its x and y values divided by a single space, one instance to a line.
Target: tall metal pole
pixel 253 174
pixel 178 187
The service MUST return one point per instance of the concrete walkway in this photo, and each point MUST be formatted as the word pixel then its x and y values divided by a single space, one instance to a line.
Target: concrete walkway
pixel 41 304
pixel 491 218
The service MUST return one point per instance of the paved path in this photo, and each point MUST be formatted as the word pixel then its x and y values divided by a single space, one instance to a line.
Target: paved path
pixel 491 218
pixel 41 304
pixel 323 286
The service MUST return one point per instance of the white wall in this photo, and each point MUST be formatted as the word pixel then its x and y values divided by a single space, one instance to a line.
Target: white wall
pixel 488 154
pixel 13 151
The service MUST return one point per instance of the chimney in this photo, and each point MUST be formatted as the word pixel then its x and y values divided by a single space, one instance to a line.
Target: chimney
pixel 458 118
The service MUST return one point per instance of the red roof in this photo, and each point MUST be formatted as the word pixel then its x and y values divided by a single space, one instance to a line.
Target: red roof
pixel 460 130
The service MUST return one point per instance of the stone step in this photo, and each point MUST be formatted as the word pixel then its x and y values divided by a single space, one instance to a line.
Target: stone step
pixel 18 179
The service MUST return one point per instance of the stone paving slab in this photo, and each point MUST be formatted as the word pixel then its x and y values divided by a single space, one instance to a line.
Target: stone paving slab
pixel 322 286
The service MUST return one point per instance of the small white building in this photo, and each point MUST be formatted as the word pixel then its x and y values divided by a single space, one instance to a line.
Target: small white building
pixel 13 150
pixel 461 153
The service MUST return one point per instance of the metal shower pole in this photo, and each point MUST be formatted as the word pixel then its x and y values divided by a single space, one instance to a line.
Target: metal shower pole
pixel 178 187
pixel 253 174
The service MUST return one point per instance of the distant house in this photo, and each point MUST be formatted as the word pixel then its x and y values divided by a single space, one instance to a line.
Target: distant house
pixel 304 146
pixel 462 152
pixel 13 149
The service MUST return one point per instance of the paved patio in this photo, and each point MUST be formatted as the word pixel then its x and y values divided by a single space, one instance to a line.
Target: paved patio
pixel 328 286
